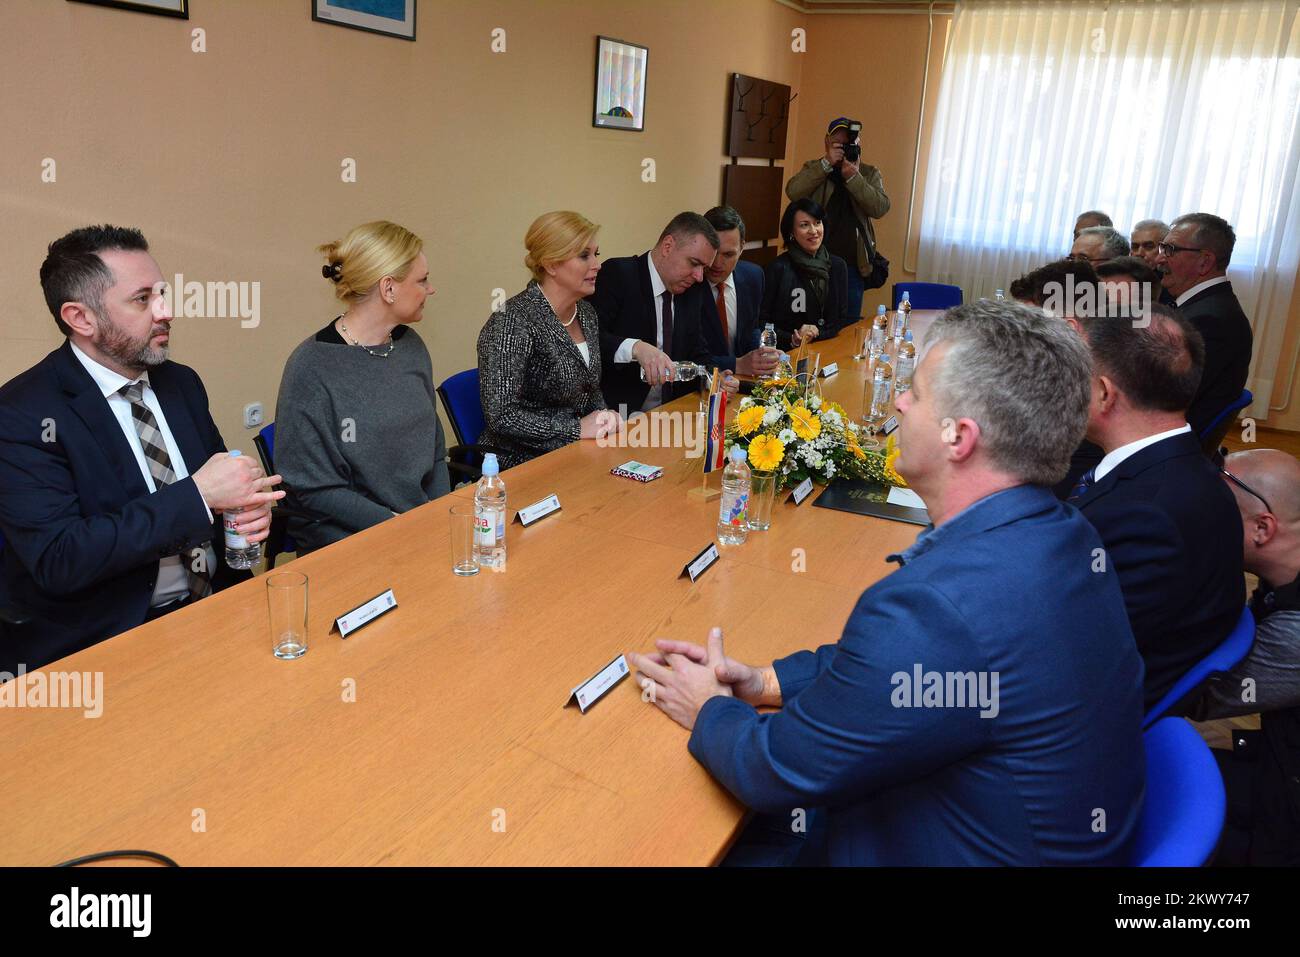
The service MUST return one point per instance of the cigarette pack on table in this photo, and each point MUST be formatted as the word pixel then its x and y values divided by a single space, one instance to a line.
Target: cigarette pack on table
pixel 638 471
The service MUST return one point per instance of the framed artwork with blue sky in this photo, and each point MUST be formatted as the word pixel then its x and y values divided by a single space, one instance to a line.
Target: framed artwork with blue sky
pixel 394 18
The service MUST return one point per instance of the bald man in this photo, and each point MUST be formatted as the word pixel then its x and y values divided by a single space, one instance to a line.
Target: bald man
pixel 1262 772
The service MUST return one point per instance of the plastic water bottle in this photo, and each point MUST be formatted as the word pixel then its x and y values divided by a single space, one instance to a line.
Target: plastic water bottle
pixel 998 295
pixel 768 341
pixel 882 388
pixel 905 364
pixel 905 307
pixel 683 372
pixel 490 515
pixel 240 553
pixel 901 318
pixel 879 326
pixel 733 512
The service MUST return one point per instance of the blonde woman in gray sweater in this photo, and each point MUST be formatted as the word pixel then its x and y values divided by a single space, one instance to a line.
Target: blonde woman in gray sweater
pixel 357 433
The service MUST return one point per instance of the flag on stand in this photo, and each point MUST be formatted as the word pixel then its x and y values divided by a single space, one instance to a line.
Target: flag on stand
pixel 715 431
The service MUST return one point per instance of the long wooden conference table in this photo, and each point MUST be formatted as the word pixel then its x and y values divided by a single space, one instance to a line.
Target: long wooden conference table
pixel 438 734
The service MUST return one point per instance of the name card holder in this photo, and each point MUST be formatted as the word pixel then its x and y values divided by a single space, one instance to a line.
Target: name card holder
pixel 365 613
pixel 538 510
pixel 801 492
pixel 701 563
pixel 598 685
pixel 830 370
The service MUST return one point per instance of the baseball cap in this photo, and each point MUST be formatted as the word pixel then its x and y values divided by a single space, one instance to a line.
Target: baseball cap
pixel 841 123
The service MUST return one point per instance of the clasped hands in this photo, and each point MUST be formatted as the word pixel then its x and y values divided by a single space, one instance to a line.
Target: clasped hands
pixel 681 676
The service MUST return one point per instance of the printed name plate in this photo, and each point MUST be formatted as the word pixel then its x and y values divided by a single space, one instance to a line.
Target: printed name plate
pixel 365 614
pixel 830 370
pixel 538 510
pixel 801 491
pixel 701 563
pixel 595 687
pixel 891 423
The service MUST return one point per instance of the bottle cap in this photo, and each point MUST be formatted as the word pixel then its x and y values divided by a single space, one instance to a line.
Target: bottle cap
pixel 880 310
pixel 907 336
pixel 738 454
pixel 235 452
pixel 490 464
pixel 907 296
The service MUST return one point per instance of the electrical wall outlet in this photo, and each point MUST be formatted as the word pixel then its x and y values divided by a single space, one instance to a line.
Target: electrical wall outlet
pixel 253 415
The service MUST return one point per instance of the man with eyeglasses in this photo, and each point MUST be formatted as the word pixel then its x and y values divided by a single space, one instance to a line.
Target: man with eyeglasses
pixel 1194 259
pixel 1262 771
pixel 1169 525
pixel 1098 244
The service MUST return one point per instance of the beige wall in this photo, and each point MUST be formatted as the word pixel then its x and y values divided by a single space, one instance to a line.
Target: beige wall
pixel 229 160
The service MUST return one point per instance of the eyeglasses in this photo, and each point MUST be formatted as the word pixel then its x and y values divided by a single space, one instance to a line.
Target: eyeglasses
pixel 1168 249
pixel 1081 258
pixel 1246 488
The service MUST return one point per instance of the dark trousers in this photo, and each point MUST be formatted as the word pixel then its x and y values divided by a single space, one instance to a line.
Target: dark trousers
pixel 771 840
pixel 856 288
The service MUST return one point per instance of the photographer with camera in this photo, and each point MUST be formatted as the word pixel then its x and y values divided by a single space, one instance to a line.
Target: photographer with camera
pixel 852 195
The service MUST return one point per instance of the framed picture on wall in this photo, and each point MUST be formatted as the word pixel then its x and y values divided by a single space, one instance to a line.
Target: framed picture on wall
pixel 392 18
pixel 620 85
pixel 167 8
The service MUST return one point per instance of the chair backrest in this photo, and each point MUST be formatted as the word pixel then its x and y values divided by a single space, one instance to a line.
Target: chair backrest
pixel 927 295
pixel 1223 658
pixel 265 442
pixel 460 398
pixel 1236 405
pixel 1182 816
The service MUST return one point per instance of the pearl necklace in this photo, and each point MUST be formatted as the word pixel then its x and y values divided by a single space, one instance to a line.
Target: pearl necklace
pixel 378 355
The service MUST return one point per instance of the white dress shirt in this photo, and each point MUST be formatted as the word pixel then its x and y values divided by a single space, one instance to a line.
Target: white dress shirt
pixel 1113 459
pixel 729 297
pixel 172 582
pixel 1198 287
pixel 586 352
pixel 624 351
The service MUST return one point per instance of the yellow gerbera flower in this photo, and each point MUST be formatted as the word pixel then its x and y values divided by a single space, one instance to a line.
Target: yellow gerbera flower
pixel 749 419
pixel 766 453
pixel 804 421
pixel 891 456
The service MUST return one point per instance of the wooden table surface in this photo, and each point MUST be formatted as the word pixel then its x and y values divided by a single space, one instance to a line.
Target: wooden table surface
pixel 455 747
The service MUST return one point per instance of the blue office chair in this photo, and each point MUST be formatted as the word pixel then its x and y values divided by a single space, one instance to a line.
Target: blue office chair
pixel 278 540
pixel 1185 805
pixel 1233 649
pixel 460 399
pixel 928 295
pixel 1213 433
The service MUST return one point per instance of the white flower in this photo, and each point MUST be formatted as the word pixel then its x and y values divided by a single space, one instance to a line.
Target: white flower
pixel 746 402
pixel 786 437
pixel 771 416
pixel 832 418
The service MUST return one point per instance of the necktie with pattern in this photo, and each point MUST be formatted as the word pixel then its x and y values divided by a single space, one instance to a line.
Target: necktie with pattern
pixel 1085 482
pixel 160 467
pixel 722 313
pixel 668 324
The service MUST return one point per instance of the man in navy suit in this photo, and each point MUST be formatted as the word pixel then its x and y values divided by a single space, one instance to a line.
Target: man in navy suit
pixel 1194 259
pixel 984 702
pixel 1169 524
pixel 650 307
pixel 730 320
pixel 111 468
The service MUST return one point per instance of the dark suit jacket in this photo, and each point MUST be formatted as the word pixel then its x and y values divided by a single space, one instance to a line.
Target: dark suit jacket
pixel 749 295
pixel 1003 588
pixel 780 281
pixel 1218 316
pixel 627 308
pixel 1172 531
pixel 83 534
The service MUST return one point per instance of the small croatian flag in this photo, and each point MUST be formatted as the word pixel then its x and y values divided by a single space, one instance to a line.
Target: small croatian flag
pixel 715 439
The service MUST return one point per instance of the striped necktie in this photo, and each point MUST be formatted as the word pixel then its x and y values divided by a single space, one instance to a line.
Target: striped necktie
pixel 1085 482
pixel 160 467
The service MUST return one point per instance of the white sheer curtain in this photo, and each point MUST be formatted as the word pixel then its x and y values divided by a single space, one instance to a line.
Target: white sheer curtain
pixel 1141 108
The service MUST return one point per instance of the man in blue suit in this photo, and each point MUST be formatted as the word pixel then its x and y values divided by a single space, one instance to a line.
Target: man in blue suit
pixel 730 320
pixel 984 702
pixel 111 468
pixel 1170 525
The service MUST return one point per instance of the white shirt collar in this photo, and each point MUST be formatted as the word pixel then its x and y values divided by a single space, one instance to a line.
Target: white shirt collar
pixel 1113 459
pixel 1198 287
pixel 656 283
pixel 109 382
pixel 729 282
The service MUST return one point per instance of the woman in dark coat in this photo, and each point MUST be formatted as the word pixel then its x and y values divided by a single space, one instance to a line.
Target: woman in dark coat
pixel 805 289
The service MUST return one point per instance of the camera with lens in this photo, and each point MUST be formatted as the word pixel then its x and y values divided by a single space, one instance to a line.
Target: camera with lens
pixel 853 149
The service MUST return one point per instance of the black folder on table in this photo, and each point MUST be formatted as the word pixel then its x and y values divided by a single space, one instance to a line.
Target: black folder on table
pixel 869 498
